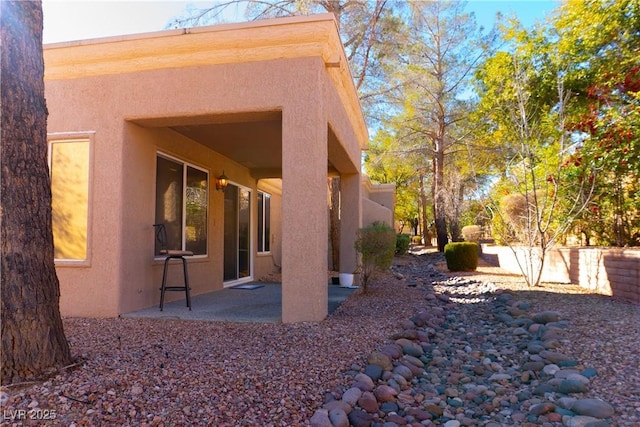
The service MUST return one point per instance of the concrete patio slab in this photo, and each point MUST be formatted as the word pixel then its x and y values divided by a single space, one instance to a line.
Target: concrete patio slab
pixel 260 305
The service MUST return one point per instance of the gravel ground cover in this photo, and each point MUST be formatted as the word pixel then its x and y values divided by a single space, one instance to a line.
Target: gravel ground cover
pixel 604 333
pixel 173 373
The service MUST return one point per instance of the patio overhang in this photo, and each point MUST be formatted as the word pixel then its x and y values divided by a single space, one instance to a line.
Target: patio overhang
pixel 234 135
pixel 295 37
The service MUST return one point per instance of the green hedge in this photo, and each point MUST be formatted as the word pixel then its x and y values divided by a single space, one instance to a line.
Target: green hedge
pixel 402 243
pixel 461 256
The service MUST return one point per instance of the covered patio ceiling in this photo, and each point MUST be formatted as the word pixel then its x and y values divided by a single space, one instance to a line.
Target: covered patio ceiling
pixel 251 139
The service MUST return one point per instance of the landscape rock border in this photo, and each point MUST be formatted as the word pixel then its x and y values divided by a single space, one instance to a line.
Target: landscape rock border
pixel 442 368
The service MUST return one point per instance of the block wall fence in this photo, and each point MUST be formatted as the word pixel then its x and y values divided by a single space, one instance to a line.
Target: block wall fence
pixel 607 271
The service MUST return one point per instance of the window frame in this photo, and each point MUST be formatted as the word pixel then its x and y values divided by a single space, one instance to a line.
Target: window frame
pixel 71 137
pixel 263 237
pixel 185 167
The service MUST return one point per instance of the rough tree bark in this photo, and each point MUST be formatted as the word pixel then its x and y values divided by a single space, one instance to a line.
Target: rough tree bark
pixel 426 234
pixel 439 203
pixel 33 339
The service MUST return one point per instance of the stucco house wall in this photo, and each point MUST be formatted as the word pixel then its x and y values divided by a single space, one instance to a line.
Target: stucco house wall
pixel 268 100
pixel 373 212
pixel 378 202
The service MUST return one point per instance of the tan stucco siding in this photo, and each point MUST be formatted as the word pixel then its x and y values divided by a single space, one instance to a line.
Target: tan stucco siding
pixel 345 149
pixel 374 212
pixel 384 198
pixel 93 290
pixel 304 180
pixel 130 114
pixel 379 202
pixel 254 42
pixel 345 155
pixel 214 98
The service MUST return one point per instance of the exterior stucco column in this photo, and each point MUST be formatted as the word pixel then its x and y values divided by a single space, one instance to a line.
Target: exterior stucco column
pixel 350 220
pixel 304 212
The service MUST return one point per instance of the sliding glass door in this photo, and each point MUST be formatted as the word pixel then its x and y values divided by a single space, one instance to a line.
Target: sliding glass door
pixel 237 233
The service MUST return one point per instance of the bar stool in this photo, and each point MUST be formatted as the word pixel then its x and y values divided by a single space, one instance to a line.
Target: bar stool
pixel 161 239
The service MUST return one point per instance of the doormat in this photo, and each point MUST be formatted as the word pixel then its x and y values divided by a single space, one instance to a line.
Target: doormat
pixel 247 287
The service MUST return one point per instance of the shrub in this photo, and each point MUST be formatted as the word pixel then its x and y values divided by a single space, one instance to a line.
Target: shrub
pixel 472 233
pixel 402 244
pixel 518 214
pixel 461 256
pixel 376 244
pixel 416 240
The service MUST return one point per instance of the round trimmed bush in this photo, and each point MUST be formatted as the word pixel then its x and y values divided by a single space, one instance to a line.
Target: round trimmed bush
pixel 461 256
pixel 402 243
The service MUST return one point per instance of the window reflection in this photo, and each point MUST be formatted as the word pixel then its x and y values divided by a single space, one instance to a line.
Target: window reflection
pixel 182 189
pixel 70 198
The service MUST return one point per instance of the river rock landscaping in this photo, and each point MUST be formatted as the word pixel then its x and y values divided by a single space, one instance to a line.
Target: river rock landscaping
pixel 424 347
pixel 476 354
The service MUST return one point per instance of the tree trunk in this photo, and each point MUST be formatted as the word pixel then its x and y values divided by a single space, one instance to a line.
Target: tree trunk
pixel 33 340
pixel 426 237
pixel 334 222
pixel 440 214
pixel 454 221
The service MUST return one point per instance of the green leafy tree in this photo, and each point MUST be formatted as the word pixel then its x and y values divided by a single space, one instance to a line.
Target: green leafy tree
pixel 460 183
pixel 444 47
pixel 598 40
pixel 387 162
pixel 524 100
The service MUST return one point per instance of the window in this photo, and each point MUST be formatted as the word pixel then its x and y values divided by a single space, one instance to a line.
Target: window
pixel 69 167
pixel 182 200
pixel 264 221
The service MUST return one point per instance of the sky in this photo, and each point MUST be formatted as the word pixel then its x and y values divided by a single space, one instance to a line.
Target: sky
pixel 67 20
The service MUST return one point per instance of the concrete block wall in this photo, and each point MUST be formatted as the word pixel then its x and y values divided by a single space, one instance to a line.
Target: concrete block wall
pixel 607 271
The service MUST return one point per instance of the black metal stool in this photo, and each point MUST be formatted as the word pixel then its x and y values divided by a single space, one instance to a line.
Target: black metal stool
pixel 161 238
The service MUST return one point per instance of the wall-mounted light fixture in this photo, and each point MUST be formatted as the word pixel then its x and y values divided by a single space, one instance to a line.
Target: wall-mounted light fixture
pixel 221 182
